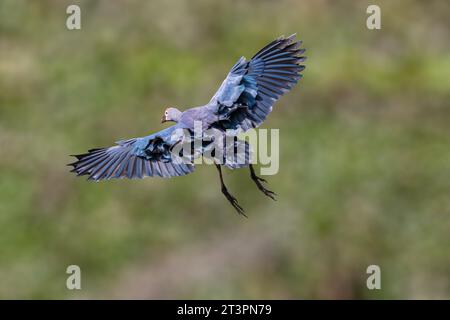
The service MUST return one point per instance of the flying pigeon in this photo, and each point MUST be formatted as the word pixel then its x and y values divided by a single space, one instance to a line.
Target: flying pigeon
pixel 242 102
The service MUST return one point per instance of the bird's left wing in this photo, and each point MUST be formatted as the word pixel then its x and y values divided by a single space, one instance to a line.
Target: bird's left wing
pixel 134 158
pixel 247 95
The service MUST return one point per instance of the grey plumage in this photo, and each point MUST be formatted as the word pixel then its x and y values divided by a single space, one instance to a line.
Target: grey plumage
pixel 243 101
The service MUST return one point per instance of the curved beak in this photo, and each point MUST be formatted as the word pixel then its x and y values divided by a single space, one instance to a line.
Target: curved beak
pixel 163 119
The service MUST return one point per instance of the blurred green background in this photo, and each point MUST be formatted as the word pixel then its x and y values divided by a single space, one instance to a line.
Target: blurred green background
pixel 364 162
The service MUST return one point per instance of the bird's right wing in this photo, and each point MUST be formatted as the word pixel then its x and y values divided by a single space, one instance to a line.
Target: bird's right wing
pixel 250 89
pixel 134 158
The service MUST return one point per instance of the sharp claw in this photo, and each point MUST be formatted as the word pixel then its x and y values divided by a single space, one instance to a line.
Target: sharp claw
pixel 269 193
pixel 233 201
pixel 266 192
pixel 255 177
pixel 262 180
pixel 238 208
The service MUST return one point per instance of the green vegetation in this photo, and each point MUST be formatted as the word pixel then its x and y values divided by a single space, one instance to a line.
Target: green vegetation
pixel 365 152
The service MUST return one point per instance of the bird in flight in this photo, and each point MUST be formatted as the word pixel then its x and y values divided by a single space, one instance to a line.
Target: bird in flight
pixel 242 102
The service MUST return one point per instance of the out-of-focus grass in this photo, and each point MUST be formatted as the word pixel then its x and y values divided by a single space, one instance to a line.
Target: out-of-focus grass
pixel 365 151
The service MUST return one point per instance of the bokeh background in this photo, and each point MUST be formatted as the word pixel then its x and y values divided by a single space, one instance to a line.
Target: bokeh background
pixel 364 162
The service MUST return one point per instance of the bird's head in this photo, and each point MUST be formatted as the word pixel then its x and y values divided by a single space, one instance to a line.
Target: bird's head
pixel 171 114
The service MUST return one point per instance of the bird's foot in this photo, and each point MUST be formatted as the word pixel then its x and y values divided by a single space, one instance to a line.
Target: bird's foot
pixel 263 189
pixel 233 202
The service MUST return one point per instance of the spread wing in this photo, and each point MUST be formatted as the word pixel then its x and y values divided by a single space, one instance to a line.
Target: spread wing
pixel 247 95
pixel 134 158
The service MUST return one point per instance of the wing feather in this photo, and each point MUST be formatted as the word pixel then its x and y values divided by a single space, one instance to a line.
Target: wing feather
pixel 257 84
pixel 133 158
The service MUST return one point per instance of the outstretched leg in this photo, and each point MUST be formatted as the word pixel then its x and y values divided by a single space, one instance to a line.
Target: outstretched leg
pixel 229 197
pixel 258 183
